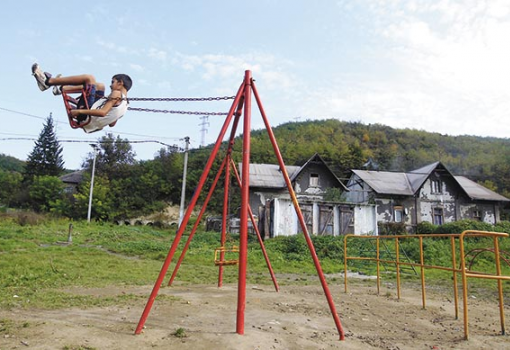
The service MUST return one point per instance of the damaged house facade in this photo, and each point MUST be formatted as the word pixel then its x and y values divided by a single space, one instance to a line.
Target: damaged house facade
pixel 270 199
pixel 429 194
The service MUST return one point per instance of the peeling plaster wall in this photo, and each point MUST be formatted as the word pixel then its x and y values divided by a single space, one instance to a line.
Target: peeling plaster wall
pixel 445 200
pixel 489 212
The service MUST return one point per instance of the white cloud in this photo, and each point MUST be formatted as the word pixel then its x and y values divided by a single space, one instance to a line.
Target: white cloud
pixel 451 63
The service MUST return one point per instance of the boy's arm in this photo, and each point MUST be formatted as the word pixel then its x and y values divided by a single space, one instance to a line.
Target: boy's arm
pixel 113 98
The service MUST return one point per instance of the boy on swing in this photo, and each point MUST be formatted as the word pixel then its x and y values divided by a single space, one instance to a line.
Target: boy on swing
pixel 102 110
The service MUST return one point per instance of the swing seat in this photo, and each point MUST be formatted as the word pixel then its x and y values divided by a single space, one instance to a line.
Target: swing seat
pixel 219 256
pixel 71 100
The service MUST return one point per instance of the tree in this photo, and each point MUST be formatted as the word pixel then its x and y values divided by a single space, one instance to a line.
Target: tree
pixel 46 157
pixel 44 192
pixel 11 184
pixel 114 157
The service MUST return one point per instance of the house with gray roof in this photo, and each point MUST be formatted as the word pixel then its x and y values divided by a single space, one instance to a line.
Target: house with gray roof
pixel 270 199
pixel 72 181
pixel 431 193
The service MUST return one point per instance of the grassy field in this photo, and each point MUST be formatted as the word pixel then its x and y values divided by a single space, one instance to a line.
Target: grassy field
pixel 39 268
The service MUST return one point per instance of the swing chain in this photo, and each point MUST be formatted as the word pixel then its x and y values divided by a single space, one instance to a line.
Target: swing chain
pixel 181 98
pixel 174 112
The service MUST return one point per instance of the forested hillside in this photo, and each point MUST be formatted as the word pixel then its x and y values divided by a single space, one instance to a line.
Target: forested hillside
pixel 125 187
pixel 350 145
pixel 8 163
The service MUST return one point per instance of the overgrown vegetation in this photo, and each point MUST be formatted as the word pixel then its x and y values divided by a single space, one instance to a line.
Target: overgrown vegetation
pixel 39 268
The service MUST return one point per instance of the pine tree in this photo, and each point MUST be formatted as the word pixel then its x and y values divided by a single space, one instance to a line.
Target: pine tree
pixel 46 157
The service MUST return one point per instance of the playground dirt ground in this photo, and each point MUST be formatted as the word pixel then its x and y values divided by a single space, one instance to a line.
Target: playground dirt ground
pixel 297 317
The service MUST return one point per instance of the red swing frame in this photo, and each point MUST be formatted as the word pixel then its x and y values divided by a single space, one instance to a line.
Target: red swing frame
pixel 71 102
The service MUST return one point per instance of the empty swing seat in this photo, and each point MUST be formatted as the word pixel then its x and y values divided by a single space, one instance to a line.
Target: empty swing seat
pixel 220 256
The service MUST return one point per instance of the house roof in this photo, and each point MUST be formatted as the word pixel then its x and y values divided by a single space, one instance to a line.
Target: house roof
pixel 476 191
pixel 385 182
pixel 270 175
pixel 73 178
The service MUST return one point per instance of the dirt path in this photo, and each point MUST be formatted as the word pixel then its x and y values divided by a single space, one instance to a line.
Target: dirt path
pixel 297 317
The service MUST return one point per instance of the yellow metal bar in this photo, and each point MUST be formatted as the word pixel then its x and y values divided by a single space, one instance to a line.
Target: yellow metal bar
pixel 500 285
pixel 464 286
pixel 397 258
pixel 378 267
pixel 455 287
pixel 422 275
pixel 462 269
pixel 345 262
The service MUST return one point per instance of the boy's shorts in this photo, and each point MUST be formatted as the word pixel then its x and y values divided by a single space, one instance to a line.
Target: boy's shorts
pixel 91 96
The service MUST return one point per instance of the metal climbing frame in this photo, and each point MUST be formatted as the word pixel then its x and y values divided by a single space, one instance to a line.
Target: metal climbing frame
pixel 462 269
pixel 242 103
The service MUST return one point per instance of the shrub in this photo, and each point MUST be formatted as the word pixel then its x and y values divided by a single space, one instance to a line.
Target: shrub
pixel 502 226
pixel 392 228
pixel 464 225
pixel 426 227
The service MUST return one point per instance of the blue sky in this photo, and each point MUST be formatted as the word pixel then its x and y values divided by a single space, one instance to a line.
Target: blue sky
pixel 434 65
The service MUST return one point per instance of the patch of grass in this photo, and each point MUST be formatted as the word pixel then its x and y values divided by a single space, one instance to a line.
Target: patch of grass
pixel 36 267
pixel 180 333
pixel 78 347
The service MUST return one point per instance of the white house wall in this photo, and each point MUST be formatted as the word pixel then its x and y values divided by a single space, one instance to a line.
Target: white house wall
pixel 365 220
pixel 285 221
pixel 285 218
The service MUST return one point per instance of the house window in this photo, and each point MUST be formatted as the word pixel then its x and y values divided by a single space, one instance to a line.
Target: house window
pixel 436 186
pixel 438 216
pixel 314 180
pixel 398 213
pixel 477 215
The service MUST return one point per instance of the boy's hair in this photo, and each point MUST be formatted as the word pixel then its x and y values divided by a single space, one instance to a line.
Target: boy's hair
pixel 126 80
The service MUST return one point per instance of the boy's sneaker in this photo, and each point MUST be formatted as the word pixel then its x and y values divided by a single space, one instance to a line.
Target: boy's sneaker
pixel 57 90
pixel 41 77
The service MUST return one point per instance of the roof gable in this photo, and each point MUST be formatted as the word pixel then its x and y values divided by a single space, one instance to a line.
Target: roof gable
pixel 270 175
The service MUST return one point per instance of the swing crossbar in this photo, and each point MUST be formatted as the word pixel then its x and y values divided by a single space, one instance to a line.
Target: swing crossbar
pixel 219 256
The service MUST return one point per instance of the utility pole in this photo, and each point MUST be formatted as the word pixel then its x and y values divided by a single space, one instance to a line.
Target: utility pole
pixel 96 148
pixel 205 122
pixel 184 172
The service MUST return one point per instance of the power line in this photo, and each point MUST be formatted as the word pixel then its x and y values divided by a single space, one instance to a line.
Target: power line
pixel 87 141
pixel 62 122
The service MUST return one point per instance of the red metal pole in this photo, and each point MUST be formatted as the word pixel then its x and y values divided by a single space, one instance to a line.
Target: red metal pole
pixel 195 226
pixel 191 206
pixel 209 195
pixel 245 197
pixel 261 242
pixel 299 214
pixel 224 218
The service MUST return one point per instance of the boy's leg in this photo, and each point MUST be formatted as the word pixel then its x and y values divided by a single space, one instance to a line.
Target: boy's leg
pixel 45 79
pixel 74 80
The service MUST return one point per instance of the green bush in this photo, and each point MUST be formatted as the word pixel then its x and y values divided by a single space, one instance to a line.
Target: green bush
pixel 426 227
pixel 458 227
pixel 392 228
pixel 502 226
